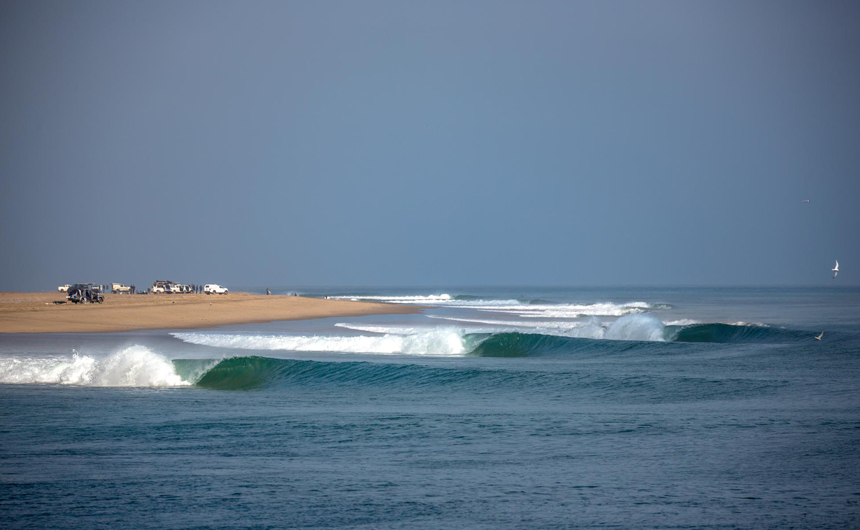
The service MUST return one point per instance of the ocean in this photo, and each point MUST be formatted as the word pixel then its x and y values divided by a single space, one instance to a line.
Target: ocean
pixel 494 408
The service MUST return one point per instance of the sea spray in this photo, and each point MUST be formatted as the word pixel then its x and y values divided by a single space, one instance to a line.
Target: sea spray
pixel 133 366
pixel 437 342
pixel 636 327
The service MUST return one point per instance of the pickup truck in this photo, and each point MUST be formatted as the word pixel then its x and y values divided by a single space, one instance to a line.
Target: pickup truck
pixel 120 288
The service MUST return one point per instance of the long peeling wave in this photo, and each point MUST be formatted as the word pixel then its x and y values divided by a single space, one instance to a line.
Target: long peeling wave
pixel 260 373
pixel 734 333
pixel 641 329
pixel 138 366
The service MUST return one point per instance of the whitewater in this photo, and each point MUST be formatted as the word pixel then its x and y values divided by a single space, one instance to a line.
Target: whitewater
pixel 491 408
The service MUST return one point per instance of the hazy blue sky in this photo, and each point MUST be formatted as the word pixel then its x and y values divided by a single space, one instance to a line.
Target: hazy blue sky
pixel 429 143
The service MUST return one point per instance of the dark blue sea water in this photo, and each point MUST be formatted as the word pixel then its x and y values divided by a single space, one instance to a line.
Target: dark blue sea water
pixel 494 408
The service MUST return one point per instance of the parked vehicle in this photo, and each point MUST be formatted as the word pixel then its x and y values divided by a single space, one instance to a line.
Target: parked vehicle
pixel 162 287
pixel 168 287
pixel 64 288
pixel 214 288
pixel 84 293
pixel 120 288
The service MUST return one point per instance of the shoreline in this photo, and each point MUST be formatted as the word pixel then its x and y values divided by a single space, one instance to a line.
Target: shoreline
pixel 36 312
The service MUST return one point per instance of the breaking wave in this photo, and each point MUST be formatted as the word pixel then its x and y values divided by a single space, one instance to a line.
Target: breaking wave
pixel 458 342
pixel 395 299
pixel 682 322
pixel 525 308
pixel 444 341
pixel 437 342
pixel 730 333
pixel 250 373
pixel 134 366
pixel 138 366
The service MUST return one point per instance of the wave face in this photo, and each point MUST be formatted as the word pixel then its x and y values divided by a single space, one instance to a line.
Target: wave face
pixel 247 373
pixel 260 373
pixel 138 366
pixel 440 342
pixel 623 334
pixel 731 333
pixel 498 339
pixel 532 345
pixel 134 366
pixel 242 373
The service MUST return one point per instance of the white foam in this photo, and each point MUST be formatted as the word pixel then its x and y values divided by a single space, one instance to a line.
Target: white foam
pixel 569 311
pixel 397 299
pixel 134 366
pixel 589 329
pixel 636 327
pixel 514 307
pixel 683 322
pixel 441 341
pixel 395 330
pixel 444 342
pixel 534 324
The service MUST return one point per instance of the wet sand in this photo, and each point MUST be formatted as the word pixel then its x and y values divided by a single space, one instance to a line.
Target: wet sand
pixel 36 312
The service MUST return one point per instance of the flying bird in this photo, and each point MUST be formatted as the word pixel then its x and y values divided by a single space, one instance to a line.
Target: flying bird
pixel 819 337
pixel 805 200
pixel 835 269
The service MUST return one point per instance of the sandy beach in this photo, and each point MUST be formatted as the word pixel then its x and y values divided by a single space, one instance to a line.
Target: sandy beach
pixel 36 312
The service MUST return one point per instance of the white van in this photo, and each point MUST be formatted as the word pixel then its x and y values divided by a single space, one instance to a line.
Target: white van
pixel 214 288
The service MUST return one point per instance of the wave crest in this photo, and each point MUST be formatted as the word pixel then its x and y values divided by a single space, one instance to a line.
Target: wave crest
pixel 526 308
pixel 438 342
pixel 134 366
pixel 445 341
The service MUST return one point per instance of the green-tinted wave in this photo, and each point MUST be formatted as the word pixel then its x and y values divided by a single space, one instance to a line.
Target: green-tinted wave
pixel 262 373
pixel 247 373
pixel 513 344
pixel 722 333
pixel 242 373
pixel 522 345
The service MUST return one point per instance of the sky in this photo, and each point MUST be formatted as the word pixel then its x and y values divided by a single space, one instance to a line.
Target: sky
pixel 414 143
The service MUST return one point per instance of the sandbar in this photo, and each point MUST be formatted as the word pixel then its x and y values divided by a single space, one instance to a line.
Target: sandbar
pixel 37 313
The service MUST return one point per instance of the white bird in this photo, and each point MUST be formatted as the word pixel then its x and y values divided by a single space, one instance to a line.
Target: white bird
pixel 805 200
pixel 819 337
pixel 835 269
